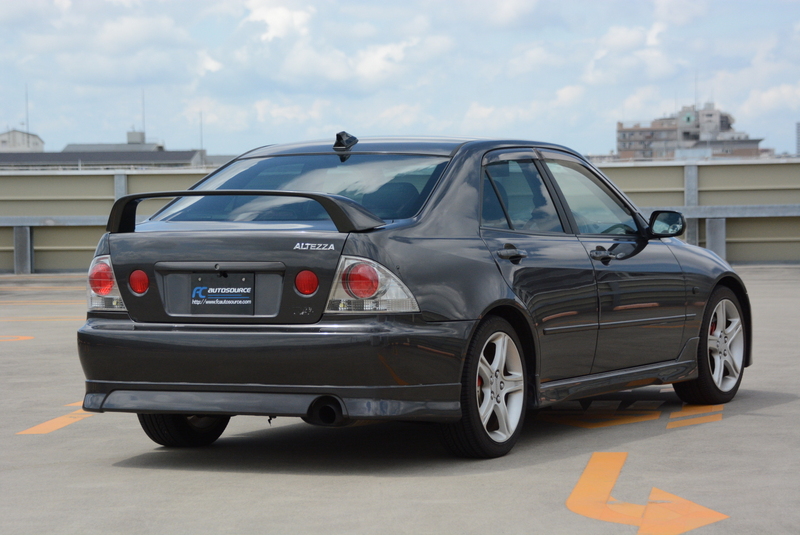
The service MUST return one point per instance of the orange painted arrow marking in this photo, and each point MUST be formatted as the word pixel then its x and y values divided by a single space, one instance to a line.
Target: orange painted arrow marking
pixel 57 423
pixel 664 514
pixel 596 420
pixel 12 338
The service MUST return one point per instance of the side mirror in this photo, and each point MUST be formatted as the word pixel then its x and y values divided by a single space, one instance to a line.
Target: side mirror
pixel 666 224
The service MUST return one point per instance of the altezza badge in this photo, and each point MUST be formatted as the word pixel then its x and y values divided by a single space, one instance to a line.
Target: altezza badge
pixel 314 246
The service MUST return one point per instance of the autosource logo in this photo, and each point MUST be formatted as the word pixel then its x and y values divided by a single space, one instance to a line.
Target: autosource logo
pixel 209 295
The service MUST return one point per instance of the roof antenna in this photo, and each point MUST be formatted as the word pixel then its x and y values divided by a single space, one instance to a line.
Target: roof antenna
pixel 344 141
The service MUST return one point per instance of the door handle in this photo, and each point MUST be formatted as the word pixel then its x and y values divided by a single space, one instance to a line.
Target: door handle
pixel 512 254
pixel 601 254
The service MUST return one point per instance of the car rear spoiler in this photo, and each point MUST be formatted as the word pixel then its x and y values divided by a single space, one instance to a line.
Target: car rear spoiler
pixel 347 215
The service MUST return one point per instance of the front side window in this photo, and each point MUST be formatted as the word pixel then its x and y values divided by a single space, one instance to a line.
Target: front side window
pixel 525 199
pixel 595 209
pixel 391 186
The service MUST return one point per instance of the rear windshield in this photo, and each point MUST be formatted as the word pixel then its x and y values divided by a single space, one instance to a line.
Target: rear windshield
pixel 391 186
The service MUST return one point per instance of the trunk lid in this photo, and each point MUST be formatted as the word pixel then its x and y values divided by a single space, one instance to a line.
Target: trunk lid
pixel 225 276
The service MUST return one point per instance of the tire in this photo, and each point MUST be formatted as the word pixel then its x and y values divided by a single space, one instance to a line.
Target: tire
pixel 494 390
pixel 720 353
pixel 183 431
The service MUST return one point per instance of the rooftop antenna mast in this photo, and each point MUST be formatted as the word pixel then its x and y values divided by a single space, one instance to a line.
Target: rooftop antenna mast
pixel 143 124
pixel 27 120
pixel 202 156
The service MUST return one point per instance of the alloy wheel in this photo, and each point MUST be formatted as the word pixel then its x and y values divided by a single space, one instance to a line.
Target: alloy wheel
pixel 725 345
pixel 499 387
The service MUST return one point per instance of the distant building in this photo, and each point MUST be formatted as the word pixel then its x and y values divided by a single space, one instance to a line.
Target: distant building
pixel 103 160
pixel 135 154
pixel 16 141
pixel 136 143
pixel 690 133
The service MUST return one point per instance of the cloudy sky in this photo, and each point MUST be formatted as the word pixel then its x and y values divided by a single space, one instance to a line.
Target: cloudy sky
pixel 267 71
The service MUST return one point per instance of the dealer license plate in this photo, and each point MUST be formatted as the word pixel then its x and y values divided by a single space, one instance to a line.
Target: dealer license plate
pixel 216 293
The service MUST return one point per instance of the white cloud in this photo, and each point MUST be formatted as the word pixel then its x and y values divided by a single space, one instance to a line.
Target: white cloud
pixel 477 112
pixel 749 89
pixel 400 116
pixel 655 63
pixel 207 63
pixel 783 96
pixel 280 20
pixel 654 33
pixel 643 104
pixel 508 68
pixel 482 120
pixel 131 34
pixel 268 111
pixel 569 95
pixel 379 61
pixel 501 12
pixel 625 53
pixel 681 11
pixel 369 67
pixel 23 13
pixel 216 114
pixel 304 62
pixel 532 59
pixel 621 39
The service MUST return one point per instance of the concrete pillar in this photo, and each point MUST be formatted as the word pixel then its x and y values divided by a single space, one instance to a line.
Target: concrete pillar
pixel 23 250
pixel 716 236
pixel 691 198
pixel 120 185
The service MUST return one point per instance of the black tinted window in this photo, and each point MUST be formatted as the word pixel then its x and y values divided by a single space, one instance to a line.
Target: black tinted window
pixel 595 209
pixel 391 186
pixel 525 197
pixel 492 214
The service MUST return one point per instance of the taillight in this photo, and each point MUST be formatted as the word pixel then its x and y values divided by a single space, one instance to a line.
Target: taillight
pixel 361 280
pixel 139 282
pixel 306 282
pixel 101 278
pixel 365 286
pixel 101 291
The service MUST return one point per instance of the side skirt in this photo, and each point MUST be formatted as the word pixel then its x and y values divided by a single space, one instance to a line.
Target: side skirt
pixel 673 371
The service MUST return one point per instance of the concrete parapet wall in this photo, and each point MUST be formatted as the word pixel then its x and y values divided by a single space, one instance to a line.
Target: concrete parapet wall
pixel 65 211
pixel 70 209
pixel 731 190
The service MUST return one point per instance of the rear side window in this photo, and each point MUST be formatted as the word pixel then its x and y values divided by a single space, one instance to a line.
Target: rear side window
pixel 391 186
pixel 523 195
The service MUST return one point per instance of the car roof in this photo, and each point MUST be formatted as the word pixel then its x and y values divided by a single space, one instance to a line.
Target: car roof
pixel 443 146
pixel 434 146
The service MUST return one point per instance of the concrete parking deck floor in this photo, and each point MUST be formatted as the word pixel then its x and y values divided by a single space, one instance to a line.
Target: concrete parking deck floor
pixel 87 474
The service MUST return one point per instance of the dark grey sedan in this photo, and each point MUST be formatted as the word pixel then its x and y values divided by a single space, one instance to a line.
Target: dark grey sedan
pixel 456 281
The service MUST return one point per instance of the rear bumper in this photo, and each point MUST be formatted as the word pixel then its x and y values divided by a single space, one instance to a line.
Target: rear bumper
pixel 376 367
pixel 430 403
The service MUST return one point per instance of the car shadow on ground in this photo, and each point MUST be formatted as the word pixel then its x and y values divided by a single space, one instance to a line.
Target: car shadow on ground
pixel 400 449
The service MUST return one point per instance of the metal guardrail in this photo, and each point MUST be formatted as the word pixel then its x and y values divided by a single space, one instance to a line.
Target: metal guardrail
pixel 715 219
pixel 715 216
